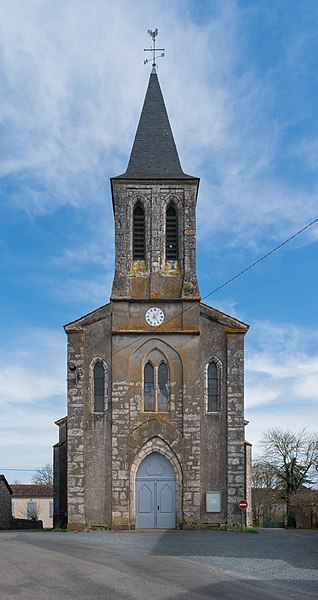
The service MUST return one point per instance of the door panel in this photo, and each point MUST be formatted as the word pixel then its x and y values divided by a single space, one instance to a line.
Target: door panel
pixel 145 517
pixel 165 499
pixel 166 514
pixel 155 493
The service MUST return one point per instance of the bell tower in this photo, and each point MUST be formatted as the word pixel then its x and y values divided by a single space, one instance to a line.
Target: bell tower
pixel 155 417
pixel 154 204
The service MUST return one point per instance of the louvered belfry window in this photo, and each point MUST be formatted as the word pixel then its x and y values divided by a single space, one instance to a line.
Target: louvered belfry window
pixel 139 233
pixel 171 234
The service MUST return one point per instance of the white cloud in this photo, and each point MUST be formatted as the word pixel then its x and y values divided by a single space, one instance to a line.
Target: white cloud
pixel 281 378
pixel 294 420
pixel 19 383
pixel 83 291
pixel 292 366
pixel 307 387
pixel 73 92
pixel 32 397
pixel 32 368
pixel 92 253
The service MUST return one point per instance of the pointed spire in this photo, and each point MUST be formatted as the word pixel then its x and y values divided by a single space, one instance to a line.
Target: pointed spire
pixel 154 154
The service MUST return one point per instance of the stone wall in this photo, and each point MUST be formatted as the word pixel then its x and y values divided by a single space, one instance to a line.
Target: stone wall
pixel 222 431
pixel 155 277
pixel 5 504
pixel 89 433
pixel 235 427
pixel 214 424
pixel 60 476
pixel 26 524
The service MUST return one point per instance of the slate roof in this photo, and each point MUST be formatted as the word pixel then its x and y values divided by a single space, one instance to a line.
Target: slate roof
pixel 32 490
pixel 154 154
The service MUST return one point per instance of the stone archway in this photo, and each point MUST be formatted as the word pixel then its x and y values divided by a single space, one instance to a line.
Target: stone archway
pixel 156 445
pixel 155 493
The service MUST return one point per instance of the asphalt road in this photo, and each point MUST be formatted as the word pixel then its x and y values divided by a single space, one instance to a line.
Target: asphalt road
pixel 162 565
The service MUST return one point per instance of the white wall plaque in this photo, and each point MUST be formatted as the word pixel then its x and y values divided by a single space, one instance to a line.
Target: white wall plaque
pixel 213 501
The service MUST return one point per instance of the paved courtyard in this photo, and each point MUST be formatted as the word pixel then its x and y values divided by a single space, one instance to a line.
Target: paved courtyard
pixel 161 565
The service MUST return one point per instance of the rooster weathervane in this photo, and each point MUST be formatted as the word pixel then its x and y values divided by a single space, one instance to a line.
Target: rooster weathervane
pixel 153 35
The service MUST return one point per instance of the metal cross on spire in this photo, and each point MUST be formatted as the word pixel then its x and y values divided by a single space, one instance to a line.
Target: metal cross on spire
pixel 153 35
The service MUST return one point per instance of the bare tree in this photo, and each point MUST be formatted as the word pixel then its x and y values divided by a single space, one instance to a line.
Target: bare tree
pixel 31 510
pixel 305 507
pixel 265 496
pixel 43 475
pixel 292 456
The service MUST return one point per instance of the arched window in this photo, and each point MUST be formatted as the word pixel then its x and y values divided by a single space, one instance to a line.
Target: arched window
pixel 156 388
pixel 99 388
pixel 212 388
pixel 162 387
pixel 149 387
pixel 171 233
pixel 139 233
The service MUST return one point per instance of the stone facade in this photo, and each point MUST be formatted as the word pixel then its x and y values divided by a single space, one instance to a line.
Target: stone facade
pixel 105 447
pixel 6 520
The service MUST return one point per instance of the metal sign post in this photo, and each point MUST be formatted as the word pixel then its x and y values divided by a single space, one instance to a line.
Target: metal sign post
pixel 242 504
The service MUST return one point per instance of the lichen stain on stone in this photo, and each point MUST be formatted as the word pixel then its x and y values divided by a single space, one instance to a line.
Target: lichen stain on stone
pixel 138 267
pixel 172 269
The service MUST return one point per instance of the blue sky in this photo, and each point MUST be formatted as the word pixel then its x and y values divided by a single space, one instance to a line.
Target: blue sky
pixel 240 82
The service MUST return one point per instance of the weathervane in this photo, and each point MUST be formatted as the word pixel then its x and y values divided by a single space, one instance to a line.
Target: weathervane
pixel 153 35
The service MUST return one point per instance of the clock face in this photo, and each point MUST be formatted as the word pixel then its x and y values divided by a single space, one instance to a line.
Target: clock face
pixel 154 316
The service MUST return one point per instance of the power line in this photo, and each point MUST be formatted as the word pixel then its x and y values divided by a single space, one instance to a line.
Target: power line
pixel 10 469
pixel 262 258
pixel 256 262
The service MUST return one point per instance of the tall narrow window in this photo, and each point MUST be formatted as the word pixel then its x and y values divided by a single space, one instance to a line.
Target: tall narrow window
pixel 212 388
pixel 156 391
pixel 99 388
pixel 171 234
pixel 149 387
pixel 139 233
pixel 32 510
pixel 162 387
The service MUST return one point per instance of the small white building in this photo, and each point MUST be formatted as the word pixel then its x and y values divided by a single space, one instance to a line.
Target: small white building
pixel 33 502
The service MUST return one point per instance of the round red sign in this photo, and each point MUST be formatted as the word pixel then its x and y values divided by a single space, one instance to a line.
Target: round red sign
pixel 242 504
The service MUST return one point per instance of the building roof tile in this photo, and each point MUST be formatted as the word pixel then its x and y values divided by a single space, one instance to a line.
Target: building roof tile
pixel 32 490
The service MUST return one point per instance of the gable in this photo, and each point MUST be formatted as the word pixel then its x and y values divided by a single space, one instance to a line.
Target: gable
pixel 4 483
pixel 213 314
pixel 93 317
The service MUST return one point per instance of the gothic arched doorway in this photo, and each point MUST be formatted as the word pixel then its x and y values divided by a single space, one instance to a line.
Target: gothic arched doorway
pixel 155 493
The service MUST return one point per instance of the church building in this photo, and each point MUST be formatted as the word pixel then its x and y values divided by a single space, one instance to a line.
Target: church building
pixel 154 433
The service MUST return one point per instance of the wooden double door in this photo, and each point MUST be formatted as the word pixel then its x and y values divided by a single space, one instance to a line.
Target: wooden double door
pixel 155 494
